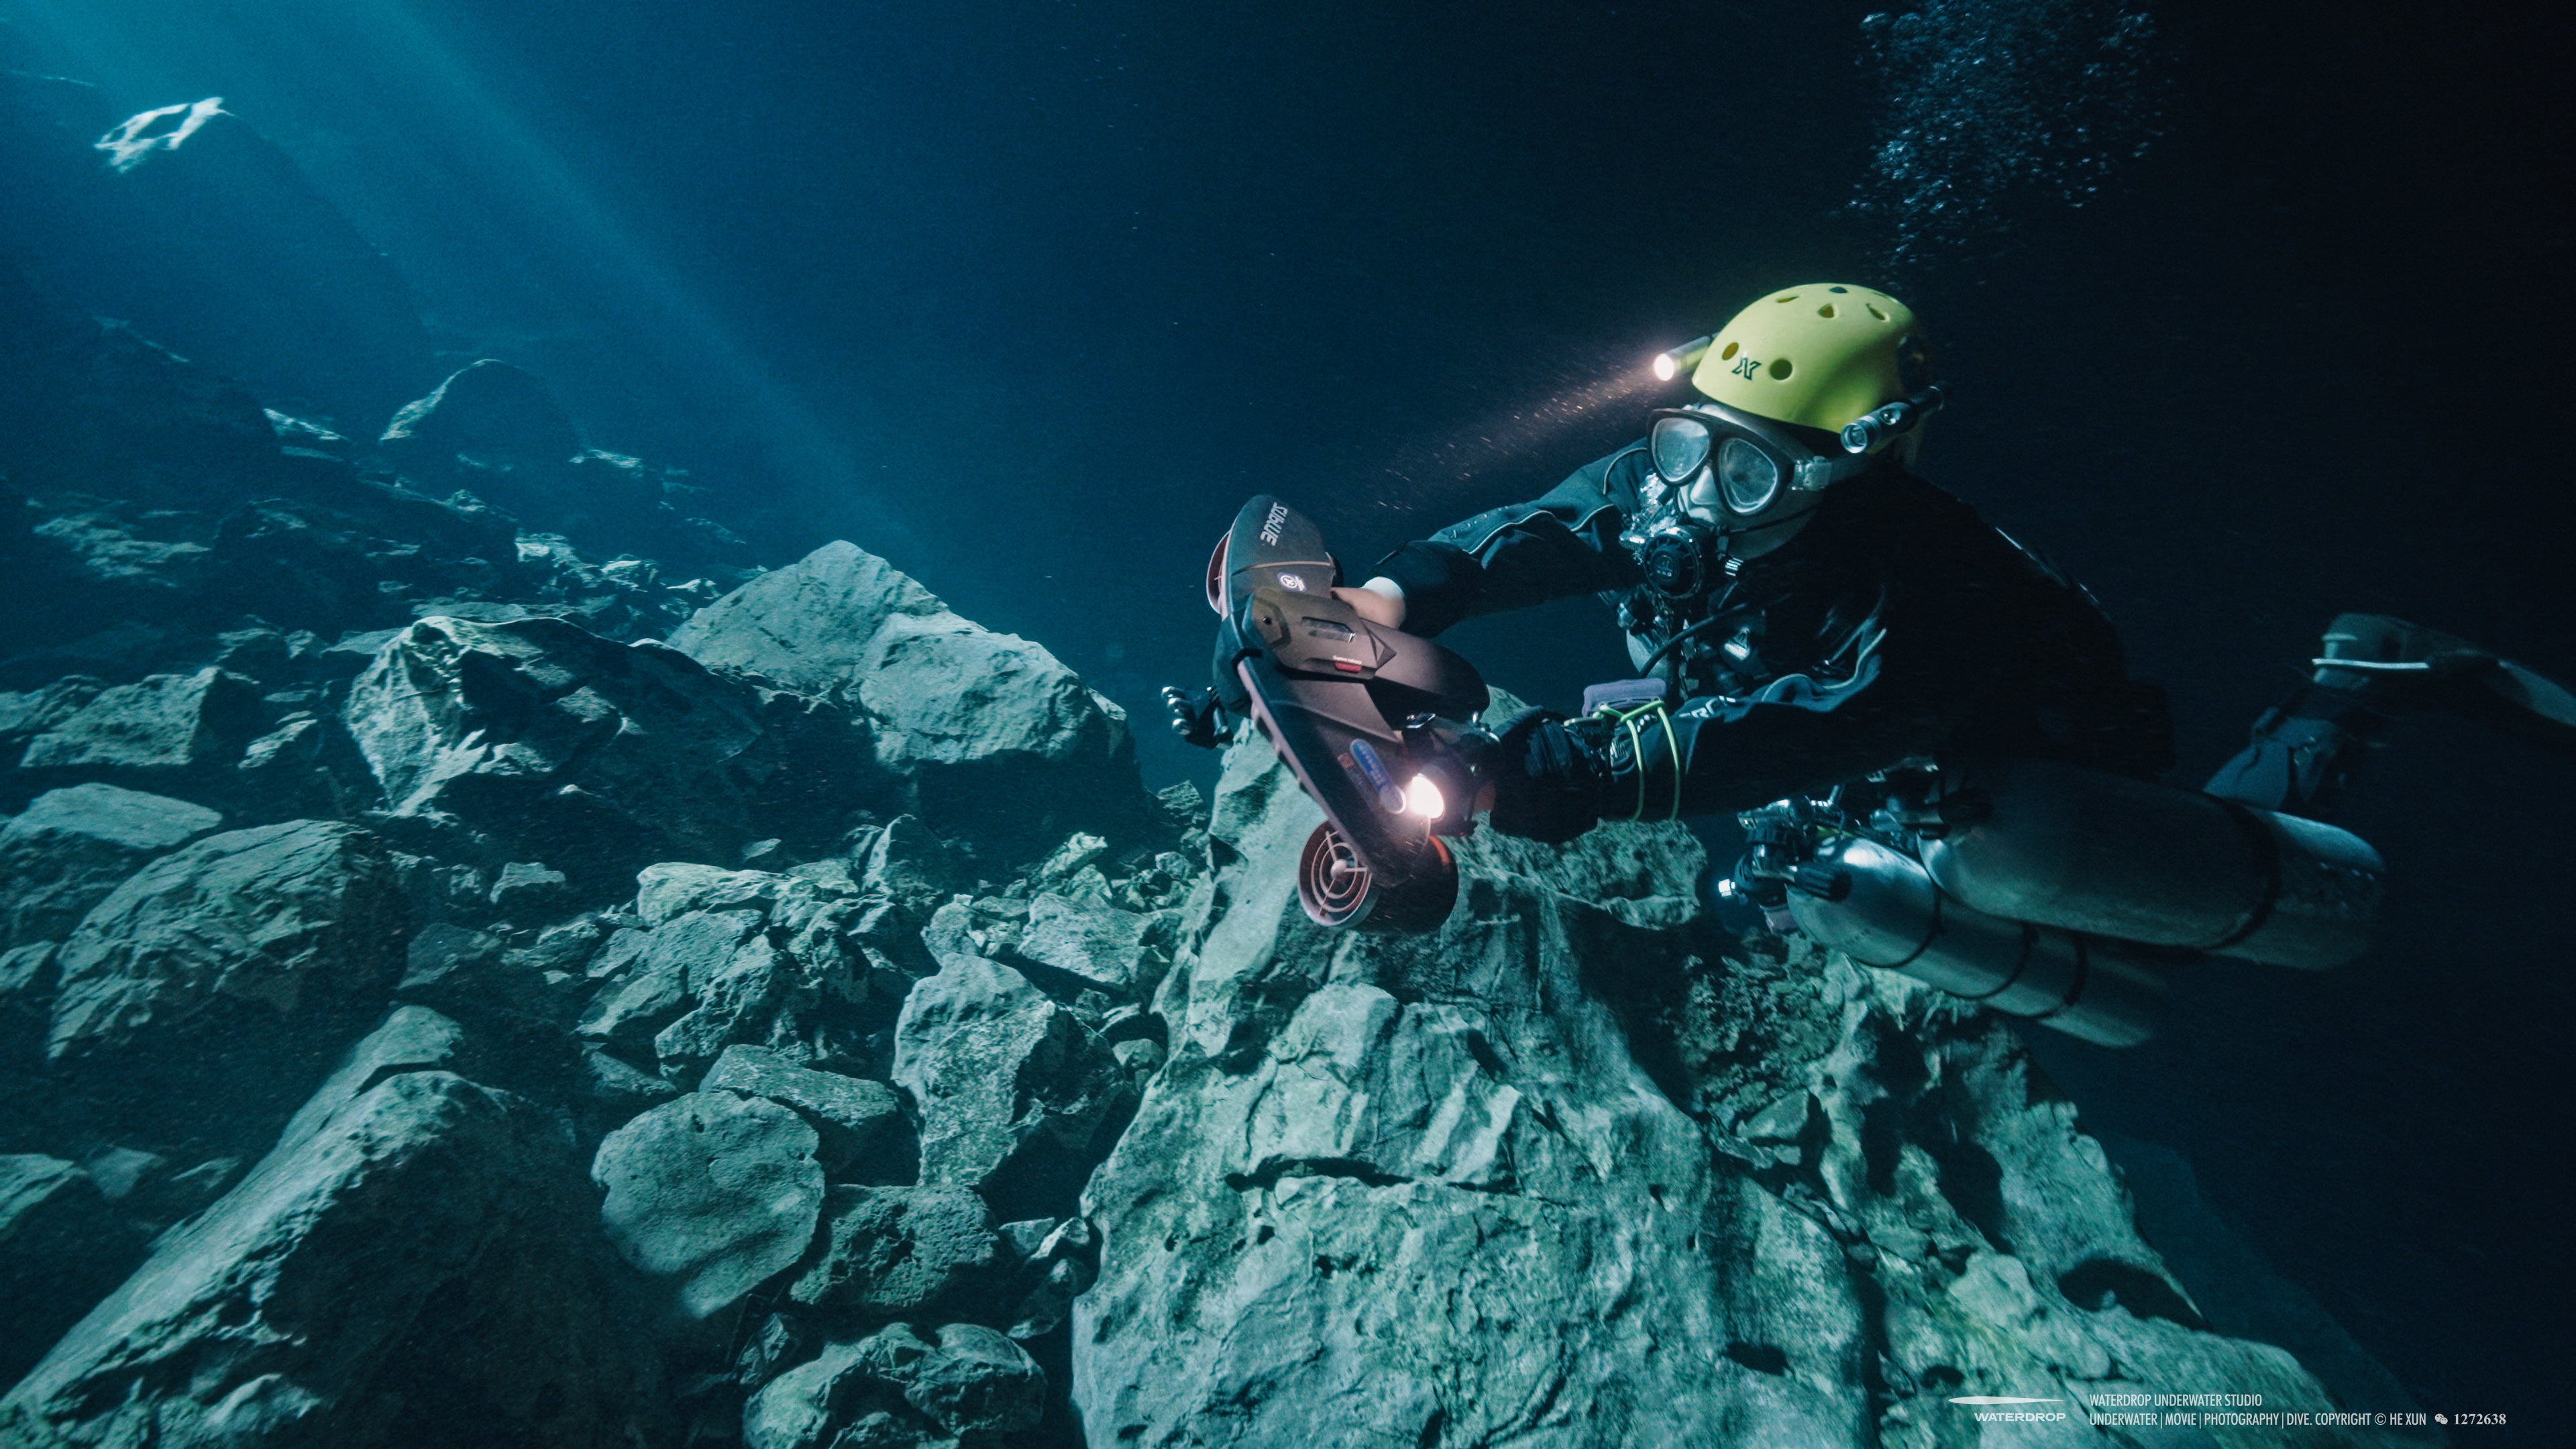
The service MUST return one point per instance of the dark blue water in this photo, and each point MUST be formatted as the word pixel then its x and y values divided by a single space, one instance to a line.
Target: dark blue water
pixel 1028 296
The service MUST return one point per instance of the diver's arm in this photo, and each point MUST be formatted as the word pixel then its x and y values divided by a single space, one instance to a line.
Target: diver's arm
pixel 1560 545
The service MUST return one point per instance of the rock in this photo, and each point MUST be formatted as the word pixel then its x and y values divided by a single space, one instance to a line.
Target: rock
pixel 1080 849
pixel 409 1039
pixel 307 766
pixel 525 886
pixel 970 1380
pixel 650 974
pixel 1096 945
pixel 25 715
pixel 595 756
pixel 61 1250
pixel 419 1260
pixel 886 1251
pixel 71 847
pixel 160 728
pixel 849 1114
pixel 899 1389
pixel 486 408
pixel 611 1092
pixel 1016 1096
pixel 674 888
pixel 907 864
pixel 1054 1270
pixel 710 1196
pixel 228 961
pixel 471 974
pixel 993 731
pixel 210 238
pixel 747 998
pixel 1401 1189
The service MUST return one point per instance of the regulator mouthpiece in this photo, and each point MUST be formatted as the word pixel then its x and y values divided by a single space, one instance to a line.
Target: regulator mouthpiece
pixel 1670 365
pixel 1871 431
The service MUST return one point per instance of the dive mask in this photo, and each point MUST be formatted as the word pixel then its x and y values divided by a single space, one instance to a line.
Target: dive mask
pixel 1747 461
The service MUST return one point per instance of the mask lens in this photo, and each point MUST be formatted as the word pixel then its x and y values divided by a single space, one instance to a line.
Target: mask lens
pixel 1679 446
pixel 1747 476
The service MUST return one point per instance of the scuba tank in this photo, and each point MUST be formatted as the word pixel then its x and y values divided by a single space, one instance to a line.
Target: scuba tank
pixel 2112 856
pixel 2050 892
pixel 1879 906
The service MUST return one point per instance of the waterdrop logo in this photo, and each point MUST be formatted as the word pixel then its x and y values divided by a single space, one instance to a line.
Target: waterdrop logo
pixel 2008 1409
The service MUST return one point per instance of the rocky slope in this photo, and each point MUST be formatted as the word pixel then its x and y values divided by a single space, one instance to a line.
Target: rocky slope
pixel 487 963
pixel 1577 1171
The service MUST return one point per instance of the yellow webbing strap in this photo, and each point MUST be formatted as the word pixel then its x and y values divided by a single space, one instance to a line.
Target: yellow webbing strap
pixel 1627 719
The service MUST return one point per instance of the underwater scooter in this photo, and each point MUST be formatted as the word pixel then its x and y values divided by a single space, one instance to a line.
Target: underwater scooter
pixel 1377 725
pixel 2044 891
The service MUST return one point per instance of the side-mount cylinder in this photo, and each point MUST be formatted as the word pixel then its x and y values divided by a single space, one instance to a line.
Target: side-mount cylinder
pixel 1879 906
pixel 2110 856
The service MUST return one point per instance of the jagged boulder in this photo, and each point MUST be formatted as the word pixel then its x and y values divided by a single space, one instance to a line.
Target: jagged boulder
pixel 62 1248
pixel 210 238
pixel 994 732
pixel 887 1251
pixel 1092 943
pixel 71 847
pixel 161 728
pixel 1017 1098
pixel 25 714
pixel 486 408
pixel 851 1116
pixel 1574 1170
pixel 710 1196
pixel 775 968
pixel 230 963
pixel 899 1389
pixel 559 745
pixel 416 1269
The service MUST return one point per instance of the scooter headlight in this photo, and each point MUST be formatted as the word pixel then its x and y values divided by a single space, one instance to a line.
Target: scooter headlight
pixel 1423 798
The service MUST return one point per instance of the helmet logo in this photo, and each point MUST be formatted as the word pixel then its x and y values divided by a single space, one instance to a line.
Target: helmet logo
pixel 1745 366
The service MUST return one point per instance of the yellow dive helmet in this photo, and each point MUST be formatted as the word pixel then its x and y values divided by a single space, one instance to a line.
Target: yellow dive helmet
pixel 1818 356
pixel 1806 387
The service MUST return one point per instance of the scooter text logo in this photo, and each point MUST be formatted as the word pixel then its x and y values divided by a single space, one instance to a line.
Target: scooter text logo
pixel 1270 526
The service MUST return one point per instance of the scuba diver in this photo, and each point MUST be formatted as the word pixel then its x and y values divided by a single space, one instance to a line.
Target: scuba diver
pixel 1929 732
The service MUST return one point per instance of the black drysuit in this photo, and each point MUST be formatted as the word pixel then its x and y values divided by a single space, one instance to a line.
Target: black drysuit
pixel 1894 626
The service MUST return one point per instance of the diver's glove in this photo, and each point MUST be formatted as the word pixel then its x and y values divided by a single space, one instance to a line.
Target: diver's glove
pixel 1196 717
pixel 1548 774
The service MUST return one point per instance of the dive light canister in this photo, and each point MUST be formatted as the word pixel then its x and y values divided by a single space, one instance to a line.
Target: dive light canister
pixel 1884 911
pixel 2131 859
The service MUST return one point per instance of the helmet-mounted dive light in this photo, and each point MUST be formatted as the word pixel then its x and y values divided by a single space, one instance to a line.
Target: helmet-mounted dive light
pixel 1874 430
pixel 1670 365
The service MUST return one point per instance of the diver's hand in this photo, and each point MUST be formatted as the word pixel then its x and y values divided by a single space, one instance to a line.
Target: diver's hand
pixel 1380 601
pixel 1195 716
pixel 1547 778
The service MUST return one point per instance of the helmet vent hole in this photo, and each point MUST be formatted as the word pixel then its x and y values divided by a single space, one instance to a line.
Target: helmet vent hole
pixel 1874 312
pixel 1729 354
pixel 1781 367
pixel 1838 289
pixel 1792 297
pixel 1826 310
